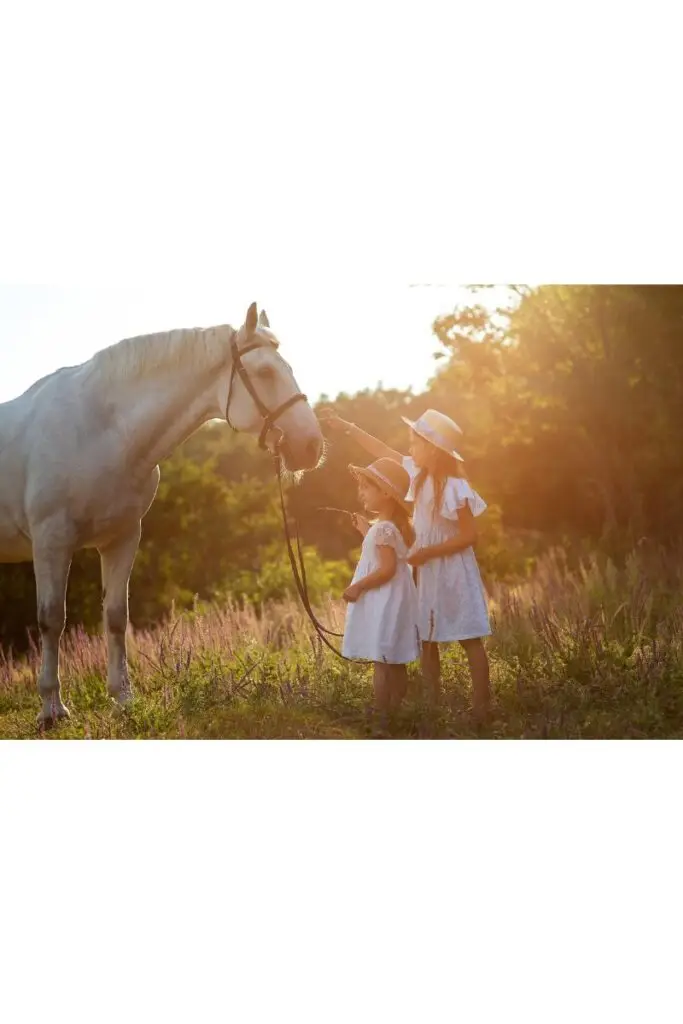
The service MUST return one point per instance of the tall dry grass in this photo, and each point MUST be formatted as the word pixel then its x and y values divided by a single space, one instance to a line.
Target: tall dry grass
pixel 594 651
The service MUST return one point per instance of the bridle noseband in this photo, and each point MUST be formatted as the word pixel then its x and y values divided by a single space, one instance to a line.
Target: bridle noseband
pixel 268 416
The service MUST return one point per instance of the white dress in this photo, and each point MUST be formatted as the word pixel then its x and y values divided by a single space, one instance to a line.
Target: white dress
pixel 382 624
pixel 451 598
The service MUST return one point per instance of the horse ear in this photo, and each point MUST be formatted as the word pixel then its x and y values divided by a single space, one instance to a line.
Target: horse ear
pixel 252 319
pixel 263 319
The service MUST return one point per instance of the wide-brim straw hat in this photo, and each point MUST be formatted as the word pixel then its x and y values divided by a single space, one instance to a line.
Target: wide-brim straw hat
pixel 390 477
pixel 439 430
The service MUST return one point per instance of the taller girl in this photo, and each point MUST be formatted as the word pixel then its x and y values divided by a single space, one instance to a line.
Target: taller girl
pixel 452 602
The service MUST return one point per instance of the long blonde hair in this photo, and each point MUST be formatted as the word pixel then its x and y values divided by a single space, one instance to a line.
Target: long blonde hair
pixel 400 517
pixel 443 466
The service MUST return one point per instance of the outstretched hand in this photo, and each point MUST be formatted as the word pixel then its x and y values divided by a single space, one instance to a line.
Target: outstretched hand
pixel 327 418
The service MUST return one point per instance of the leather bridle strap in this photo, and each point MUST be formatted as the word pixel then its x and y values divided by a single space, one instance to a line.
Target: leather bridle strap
pixel 269 416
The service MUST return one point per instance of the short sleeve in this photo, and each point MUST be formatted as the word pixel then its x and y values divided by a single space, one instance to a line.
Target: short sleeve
pixel 411 469
pixel 387 535
pixel 457 494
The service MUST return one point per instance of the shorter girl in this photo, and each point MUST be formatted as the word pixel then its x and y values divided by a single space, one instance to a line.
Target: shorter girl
pixel 381 620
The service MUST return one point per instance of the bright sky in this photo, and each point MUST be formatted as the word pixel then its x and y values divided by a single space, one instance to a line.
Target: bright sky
pixel 375 335
pixel 171 163
pixel 164 164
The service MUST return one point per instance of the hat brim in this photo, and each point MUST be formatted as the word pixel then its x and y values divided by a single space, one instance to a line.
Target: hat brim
pixel 381 485
pixel 449 451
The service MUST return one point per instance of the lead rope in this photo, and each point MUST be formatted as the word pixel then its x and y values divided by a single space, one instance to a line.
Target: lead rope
pixel 299 574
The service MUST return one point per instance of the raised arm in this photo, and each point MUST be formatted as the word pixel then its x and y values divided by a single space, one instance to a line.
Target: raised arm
pixel 372 445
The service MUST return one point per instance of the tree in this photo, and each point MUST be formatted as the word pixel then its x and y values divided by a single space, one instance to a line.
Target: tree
pixel 573 398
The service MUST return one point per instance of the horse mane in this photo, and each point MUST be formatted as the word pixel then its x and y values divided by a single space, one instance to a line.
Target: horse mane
pixel 177 349
pixel 37 384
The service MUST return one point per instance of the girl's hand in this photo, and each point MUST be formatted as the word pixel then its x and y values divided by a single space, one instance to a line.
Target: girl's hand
pixel 330 419
pixel 352 593
pixel 361 523
pixel 419 557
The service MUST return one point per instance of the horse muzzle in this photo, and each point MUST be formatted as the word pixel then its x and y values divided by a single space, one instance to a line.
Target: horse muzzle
pixel 301 453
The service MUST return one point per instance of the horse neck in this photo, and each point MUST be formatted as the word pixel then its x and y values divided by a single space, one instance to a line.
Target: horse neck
pixel 160 411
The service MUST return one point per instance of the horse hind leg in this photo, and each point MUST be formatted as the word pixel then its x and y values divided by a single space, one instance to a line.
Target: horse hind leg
pixel 51 565
pixel 117 563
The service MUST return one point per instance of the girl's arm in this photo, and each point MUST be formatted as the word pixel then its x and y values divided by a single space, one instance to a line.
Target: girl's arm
pixel 372 445
pixel 467 538
pixel 387 569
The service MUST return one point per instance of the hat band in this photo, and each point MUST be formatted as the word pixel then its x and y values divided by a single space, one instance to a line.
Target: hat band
pixel 386 480
pixel 434 435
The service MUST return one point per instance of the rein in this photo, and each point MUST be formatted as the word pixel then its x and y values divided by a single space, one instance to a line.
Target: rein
pixel 269 417
pixel 299 575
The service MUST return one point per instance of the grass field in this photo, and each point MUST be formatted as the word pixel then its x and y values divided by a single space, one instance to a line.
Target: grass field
pixel 592 653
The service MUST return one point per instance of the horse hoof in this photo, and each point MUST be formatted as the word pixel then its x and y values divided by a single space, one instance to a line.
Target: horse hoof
pixel 56 715
pixel 121 699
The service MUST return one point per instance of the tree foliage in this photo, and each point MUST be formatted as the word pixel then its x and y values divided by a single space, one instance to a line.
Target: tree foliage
pixel 571 401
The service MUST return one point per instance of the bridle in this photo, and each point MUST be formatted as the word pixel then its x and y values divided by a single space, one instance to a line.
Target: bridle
pixel 269 418
pixel 238 367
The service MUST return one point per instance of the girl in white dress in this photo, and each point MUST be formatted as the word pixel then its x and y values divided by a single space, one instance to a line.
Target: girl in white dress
pixel 381 618
pixel 451 598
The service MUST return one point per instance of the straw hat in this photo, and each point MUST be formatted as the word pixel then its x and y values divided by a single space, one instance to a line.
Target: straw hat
pixel 389 476
pixel 439 430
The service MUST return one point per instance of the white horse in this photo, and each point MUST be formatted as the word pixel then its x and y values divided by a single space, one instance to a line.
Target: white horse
pixel 79 454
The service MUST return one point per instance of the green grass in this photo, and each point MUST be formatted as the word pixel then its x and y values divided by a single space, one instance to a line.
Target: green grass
pixel 594 653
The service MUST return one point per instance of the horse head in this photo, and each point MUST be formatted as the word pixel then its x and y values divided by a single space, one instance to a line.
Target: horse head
pixel 264 398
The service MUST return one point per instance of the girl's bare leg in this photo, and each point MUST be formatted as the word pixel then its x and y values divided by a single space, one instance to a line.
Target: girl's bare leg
pixel 431 670
pixel 399 685
pixel 479 671
pixel 382 681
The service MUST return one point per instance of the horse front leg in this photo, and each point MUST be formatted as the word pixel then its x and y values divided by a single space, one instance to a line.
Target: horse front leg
pixel 51 565
pixel 117 563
